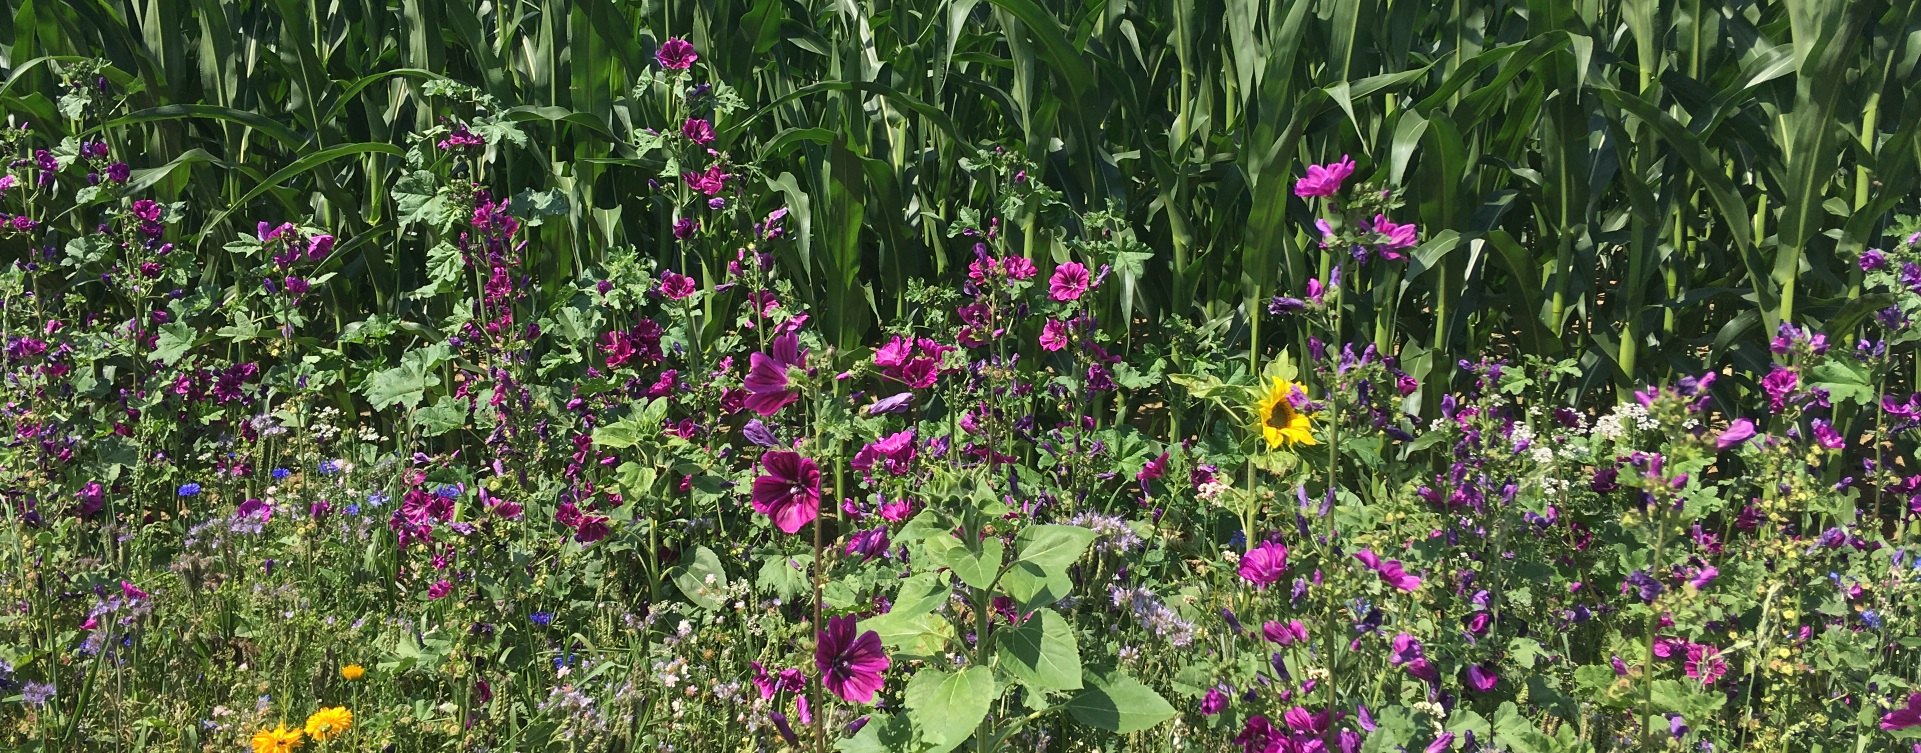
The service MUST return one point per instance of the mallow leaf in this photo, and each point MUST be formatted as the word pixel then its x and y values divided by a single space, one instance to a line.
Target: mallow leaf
pixel 1118 703
pixel 406 384
pixel 1042 652
pixel 692 578
pixel 948 706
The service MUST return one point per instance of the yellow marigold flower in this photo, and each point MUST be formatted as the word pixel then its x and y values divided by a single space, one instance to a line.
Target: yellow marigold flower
pixel 329 723
pixel 276 740
pixel 1281 425
pixel 352 671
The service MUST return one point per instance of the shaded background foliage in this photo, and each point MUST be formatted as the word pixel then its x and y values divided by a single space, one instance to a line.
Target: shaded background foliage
pixel 1651 186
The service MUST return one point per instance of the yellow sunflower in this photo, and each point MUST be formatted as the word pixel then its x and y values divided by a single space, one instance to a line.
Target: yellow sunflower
pixel 1280 423
pixel 329 723
pixel 276 740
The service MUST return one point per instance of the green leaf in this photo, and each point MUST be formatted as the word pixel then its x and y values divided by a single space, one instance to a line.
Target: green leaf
pixel 406 384
pixel 176 338
pixel 418 198
pixel 1514 733
pixel 1118 703
pixel 700 578
pixel 627 432
pixel 785 576
pixel 920 594
pixel 1042 652
pixel 884 733
pixel 948 706
pixel 1031 587
pixel 1052 547
pixel 445 263
pixel 444 416
pixel 977 570
pixel 532 207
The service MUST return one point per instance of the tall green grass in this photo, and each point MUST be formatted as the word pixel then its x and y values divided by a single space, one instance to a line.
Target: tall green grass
pixel 1650 186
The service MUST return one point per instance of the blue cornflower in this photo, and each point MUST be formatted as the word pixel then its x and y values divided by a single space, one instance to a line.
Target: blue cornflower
pixel 281 474
pixel 189 489
pixel 447 491
pixel 542 618
pixel 353 509
pixel 329 467
pixel 1872 619
pixel 377 499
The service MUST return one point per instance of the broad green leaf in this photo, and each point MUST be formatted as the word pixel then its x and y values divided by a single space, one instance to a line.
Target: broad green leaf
pixel 920 594
pixel 406 384
pixel 948 706
pixel 1031 587
pixel 1042 652
pixel 1118 703
pixel 977 570
pixel 640 425
pixel 700 578
pixel 1052 547
pixel 418 198
pixel 443 416
pixel 445 263
pixel 786 577
pixel 884 733
pixel 176 338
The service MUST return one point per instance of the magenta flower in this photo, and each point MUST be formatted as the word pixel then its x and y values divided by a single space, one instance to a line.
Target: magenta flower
pixel 1904 717
pixel 868 544
pixel 1443 743
pixel 1154 469
pixel 92 498
pixel 1826 436
pixel 676 286
pixel 698 130
pixel 131 591
pixel 1389 570
pixel 894 453
pixel 896 510
pixel 1053 335
pixel 1738 433
pixel 1705 664
pixel 1422 668
pixel 1324 180
pixel 1779 383
pixel 1394 237
pixel 1263 564
pixel 1214 702
pixel 1403 648
pixel 1019 268
pixel 439 589
pixel 1481 679
pixel 319 246
pixel 676 54
pixel 685 228
pixel 592 528
pixel 768 386
pixel 850 666
pixel 1704 577
pixel 1287 635
pixel 790 492
pixel 1302 722
pixel 1068 283
pixel 710 182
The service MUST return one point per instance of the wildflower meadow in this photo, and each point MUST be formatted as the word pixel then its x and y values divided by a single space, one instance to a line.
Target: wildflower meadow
pixel 1304 376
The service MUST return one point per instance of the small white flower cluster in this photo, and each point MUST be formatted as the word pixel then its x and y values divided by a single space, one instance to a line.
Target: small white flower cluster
pixel 1626 416
pixel 1211 490
pixel 323 427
